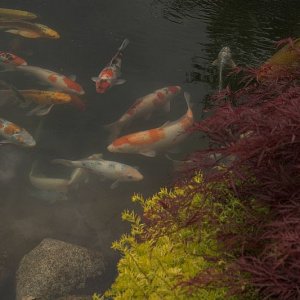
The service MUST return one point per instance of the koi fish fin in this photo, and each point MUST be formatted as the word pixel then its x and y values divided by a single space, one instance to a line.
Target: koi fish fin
pixel 166 124
pixel 115 184
pixel 41 108
pixel 24 33
pixel 114 129
pixel 5 142
pixel 94 79
pixel 96 156
pixel 72 77
pixel 64 162
pixel 231 64
pixel 119 81
pixel 124 45
pixel 215 62
pixel 150 153
pixel 167 107
pixel 44 111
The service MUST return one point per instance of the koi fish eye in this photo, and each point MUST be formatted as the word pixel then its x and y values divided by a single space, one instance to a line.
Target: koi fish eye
pixel 130 177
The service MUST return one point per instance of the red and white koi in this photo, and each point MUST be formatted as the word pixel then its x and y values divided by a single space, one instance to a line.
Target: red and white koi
pixel 104 168
pixel 109 76
pixel 14 134
pixel 150 142
pixel 9 59
pixel 144 107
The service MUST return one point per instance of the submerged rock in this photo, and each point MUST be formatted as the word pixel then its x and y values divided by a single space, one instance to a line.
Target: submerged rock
pixel 54 269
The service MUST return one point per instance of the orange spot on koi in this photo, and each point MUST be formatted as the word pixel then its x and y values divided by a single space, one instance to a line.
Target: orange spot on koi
pixel 141 138
pixel 52 78
pixel 72 84
pixel 11 129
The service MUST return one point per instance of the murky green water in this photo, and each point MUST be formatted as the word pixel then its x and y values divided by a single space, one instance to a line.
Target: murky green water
pixel 171 43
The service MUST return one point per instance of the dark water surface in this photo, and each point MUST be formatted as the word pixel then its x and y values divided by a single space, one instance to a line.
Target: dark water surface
pixel 171 43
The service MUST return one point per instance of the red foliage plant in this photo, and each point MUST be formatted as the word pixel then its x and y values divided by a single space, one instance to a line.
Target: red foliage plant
pixel 255 132
pixel 258 128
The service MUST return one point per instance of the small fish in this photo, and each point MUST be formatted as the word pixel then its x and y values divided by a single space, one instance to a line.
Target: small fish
pixel 14 134
pixel 28 30
pixel 9 59
pixel 144 107
pixel 57 81
pixel 6 13
pixel 164 138
pixel 106 169
pixel 110 75
pixel 224 60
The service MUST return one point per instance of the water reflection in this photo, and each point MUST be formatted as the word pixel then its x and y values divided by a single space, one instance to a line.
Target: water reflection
pixel 249 28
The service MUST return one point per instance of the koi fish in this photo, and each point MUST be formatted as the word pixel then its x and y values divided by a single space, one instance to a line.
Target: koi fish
pixel 61 185
pixel 150 142
pixel 105 169
pixel 9 59
pixel 144 107
pixel 286 57
pixel 57 81
pixel 15 14
pixel 28 30
pixel 45 100
pixel 14 134
pixel 224 60
pixel 109 76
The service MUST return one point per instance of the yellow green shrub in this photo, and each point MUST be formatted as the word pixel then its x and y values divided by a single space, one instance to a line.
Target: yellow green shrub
pixel 163 252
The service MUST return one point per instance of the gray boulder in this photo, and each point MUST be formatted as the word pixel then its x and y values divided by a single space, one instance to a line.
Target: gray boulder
pixel 54 269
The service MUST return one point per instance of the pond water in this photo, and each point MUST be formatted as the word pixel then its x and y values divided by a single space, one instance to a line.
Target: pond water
pixel 172 42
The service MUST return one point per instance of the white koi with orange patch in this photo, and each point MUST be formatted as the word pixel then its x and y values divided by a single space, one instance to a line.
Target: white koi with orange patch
pixel 109 76
pixel 14 134
pixel 144 107
pixel 150 142
pixel 58 81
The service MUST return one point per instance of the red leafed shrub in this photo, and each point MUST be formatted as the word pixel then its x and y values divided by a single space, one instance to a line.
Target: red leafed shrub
pixel 255 131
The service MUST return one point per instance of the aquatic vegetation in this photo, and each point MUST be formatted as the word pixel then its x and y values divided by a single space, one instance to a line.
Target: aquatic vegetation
pixel 176 240
pixel 258 126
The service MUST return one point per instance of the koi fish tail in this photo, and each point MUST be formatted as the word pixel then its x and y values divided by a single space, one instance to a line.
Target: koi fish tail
pixel 123 45
pixel 114 130
pixel 64 162
pixel 78 103
pixel 117 59
pixel 187 98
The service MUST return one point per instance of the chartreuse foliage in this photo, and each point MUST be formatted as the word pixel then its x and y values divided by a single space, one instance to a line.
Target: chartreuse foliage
pixel 159 257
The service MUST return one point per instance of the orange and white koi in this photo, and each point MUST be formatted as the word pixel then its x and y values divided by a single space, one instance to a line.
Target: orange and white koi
pixel 28 29
pixel 14 134
pixel 104 168
pixel 15 14
pixel 9 59
pixel 162 139
pixel 109 76
pixel 144 107
pixel 56 80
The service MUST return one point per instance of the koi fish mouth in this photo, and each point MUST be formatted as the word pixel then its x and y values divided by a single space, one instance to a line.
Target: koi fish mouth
pixel 102 87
